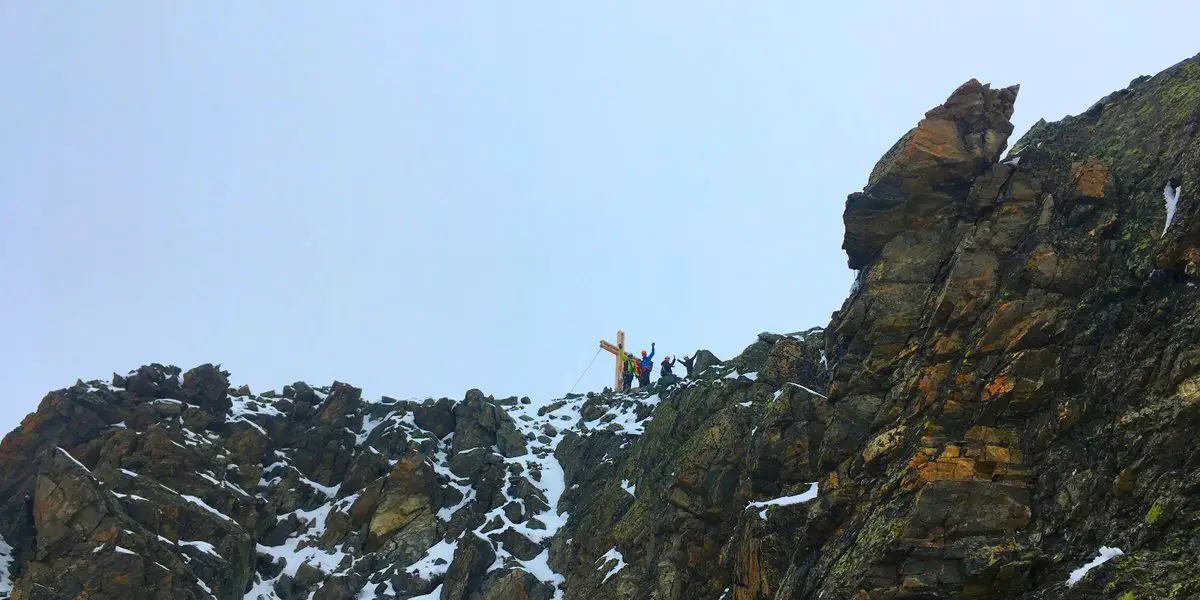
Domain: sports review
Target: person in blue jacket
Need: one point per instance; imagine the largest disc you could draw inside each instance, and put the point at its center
(645, 364)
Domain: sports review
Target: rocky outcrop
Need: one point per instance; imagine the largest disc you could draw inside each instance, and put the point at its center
(1011, 391)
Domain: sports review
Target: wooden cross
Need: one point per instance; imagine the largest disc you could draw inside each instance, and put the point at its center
(618, 351)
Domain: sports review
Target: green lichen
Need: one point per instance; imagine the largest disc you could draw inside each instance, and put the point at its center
(1154, 514)
(1182, 93)
(1127, 596)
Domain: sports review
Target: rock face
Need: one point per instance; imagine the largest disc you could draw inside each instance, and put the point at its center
(1012, 386)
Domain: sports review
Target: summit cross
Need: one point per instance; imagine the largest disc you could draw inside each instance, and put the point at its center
(617, 350)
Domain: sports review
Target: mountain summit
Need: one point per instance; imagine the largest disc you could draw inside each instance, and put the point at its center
(1006, 406)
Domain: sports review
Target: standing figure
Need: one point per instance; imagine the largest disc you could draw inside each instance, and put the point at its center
(629, 367)
(688, 363)
(645, 365)
(667, 365)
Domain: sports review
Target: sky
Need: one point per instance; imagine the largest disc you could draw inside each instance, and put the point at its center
(420, 198)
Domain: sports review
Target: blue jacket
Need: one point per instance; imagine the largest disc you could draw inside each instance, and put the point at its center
(647, 362)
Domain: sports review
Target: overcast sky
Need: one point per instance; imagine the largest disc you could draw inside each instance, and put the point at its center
(424, 197)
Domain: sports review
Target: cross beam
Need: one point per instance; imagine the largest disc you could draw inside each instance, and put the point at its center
(617, 350)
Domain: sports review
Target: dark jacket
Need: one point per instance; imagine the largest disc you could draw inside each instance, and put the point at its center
(687, 364)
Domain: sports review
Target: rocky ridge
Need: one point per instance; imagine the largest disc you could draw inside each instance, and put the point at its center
(1006, 406)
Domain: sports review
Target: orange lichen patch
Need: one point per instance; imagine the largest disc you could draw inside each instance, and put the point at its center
(751, 570)
(1191, 261)
(956, 469)
(832, 481)
(922, 457)
(1090, 177)
(987, 453)
(936, 138)
(982, 281)
(999, 386)
(930, 381)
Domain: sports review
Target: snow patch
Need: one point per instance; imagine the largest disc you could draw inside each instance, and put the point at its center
(610, 556)
(209, 478)
(6, 582)
(68, 455)
(205, 506)
(120, 550)
(130, 496)
(129, 473)
(252, 424)
(468, 492)
(434, 595)
(1106, 554)
(807, 495)
(810, 390)
(539, 566)
(245, 406)
(369, 425)
(623, 419)
(369, 593)
(204, 586)
(435, 562)
(330, 492)
(625, 485)
(1171, 196)
(202, 546)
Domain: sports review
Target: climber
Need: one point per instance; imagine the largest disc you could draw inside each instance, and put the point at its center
(629, 367)
(688, 362)
(667, 365)
(645, 365)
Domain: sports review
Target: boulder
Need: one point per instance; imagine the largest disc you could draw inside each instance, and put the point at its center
(704, 360)
(469, 567)
(207, 386)
(917, 178)
(437, 417)
(480, 423)
(403, 524)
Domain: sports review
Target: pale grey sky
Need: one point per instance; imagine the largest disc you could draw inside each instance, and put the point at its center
(420, 198)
